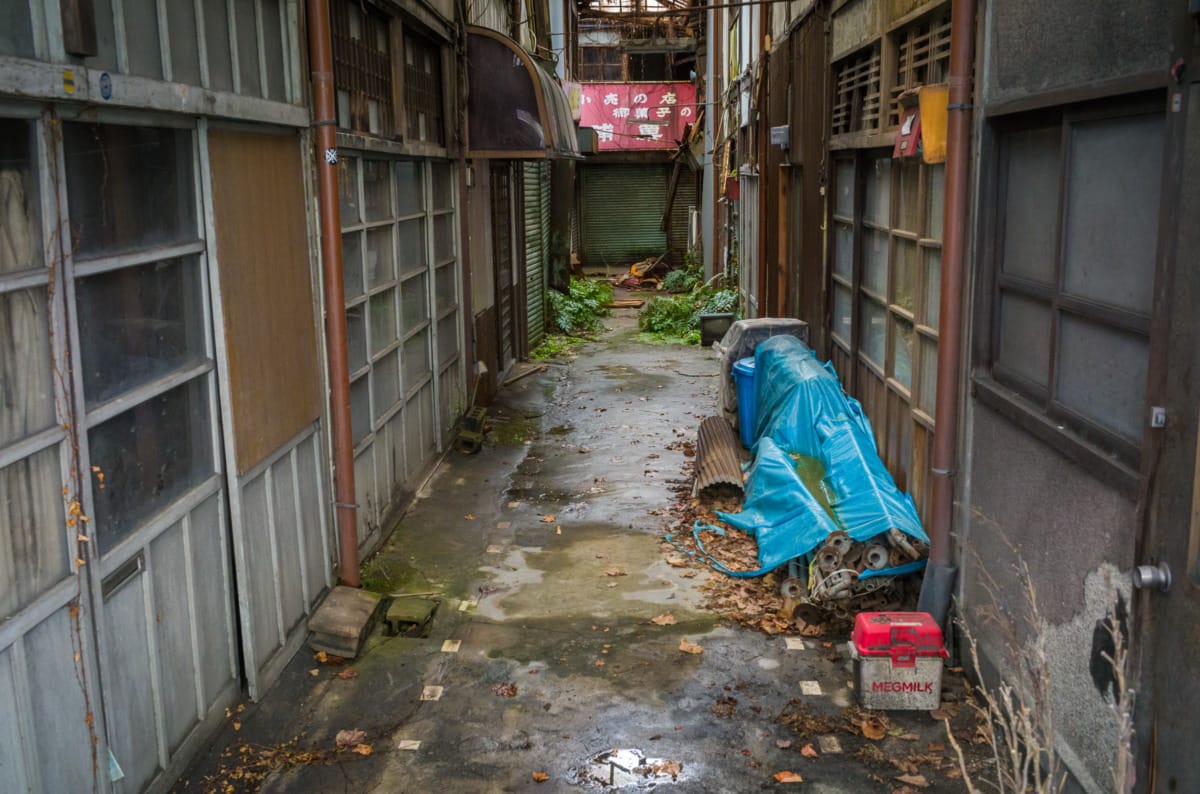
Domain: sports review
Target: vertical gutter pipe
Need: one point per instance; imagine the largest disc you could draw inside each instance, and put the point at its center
(320, 54)
(938, 585)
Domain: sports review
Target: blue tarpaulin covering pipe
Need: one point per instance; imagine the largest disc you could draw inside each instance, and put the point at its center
(802, 411)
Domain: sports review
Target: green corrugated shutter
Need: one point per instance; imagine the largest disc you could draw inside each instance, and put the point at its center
(537, 220)
(685, 198)
(621, 212)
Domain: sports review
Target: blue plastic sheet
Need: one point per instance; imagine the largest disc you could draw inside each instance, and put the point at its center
(803, 411)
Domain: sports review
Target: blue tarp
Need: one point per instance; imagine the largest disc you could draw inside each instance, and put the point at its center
(803, 411)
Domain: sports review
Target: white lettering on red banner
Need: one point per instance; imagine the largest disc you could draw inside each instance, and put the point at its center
(631, 116)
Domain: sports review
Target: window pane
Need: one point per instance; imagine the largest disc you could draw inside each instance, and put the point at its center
(878, 195)
(216, 37)
(415, 302)
(873, 330)
(875, 261)
(141, 31)
(26, 382)
(906, 275)
(149, 456)
(138, 324)
(33, 541)
(933, 286)
(380, 267)
(360, 408)
(927, 394)
(185, 48)
(1112, 212)
(443, 237)
(247, 47)
(1031, 206)
(383, 320)
(844, 200)
(843, 250)
(409, 190)
(20, 221)
(412, 246)
(416, 359)
(1025, 337)
(348, 190)
(447, 294)
(352, 264)
(841, 313)
(385, 383)
(447, 338)
(443, 186)
(908, 214)
(377, 190)
(902, 351)
(274, 50)
(356, 336)
(1102, 374)
(935, 200)
(16, 38)
(128, 187)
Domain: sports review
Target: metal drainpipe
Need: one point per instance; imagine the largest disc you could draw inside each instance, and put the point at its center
(464, 224)
(320, 53)
(937, 587)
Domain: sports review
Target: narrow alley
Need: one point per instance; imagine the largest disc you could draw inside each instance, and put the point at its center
(556, 646)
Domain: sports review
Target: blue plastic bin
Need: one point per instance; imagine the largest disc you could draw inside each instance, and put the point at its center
(744, 381)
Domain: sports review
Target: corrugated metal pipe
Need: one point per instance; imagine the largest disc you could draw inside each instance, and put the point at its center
(320, 56)
(938, 586)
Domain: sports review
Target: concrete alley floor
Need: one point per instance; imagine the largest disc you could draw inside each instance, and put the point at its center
(544, 657)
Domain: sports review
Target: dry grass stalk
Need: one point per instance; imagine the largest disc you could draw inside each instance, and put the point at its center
(1018, 711)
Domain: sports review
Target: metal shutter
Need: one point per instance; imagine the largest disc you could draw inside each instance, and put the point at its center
(621, 212)
(537, 220)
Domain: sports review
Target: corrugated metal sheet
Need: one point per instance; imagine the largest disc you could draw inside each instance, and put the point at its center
(621, 212)
(718, 456)
(537, 222)
(685, 198)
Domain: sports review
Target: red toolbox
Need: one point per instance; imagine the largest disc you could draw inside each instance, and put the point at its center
(898, 660)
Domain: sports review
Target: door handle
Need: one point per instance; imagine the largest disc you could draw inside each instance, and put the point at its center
(1152, 577)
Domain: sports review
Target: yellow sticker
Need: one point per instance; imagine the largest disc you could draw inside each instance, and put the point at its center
(69, 81)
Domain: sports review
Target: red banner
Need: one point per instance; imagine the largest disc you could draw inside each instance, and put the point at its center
(638, 115)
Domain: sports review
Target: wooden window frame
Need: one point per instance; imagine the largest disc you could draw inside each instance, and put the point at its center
(1111, 457)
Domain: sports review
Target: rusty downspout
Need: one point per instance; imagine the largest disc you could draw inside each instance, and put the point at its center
(320, 53)
(937, 587)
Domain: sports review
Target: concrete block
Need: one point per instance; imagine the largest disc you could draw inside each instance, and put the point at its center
(342, 621)
(409, 615)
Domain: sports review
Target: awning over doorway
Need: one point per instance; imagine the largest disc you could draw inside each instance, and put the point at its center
(515, 109)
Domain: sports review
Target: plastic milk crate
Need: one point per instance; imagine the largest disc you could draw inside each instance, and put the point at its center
(897, 660)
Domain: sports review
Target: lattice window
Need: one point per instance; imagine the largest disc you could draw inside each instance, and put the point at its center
(362, 69)
(600, 65)
(423, 90)
(856, 104)
(922, 58)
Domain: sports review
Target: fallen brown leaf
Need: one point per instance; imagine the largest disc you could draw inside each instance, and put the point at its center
(314, 672)
(788, 777)
(363, 749)
(347, 674)
(348, 738)
(783, 744)
(873, 728)
(505, 690)
(614, 571)
(321, 657)
(469, 516)
(237, 726)
(540, 777)
(914, 780)
(809, 752)
(548, 519)
(599, 662)
(665, 619)
(677, 562)
(689, 647)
